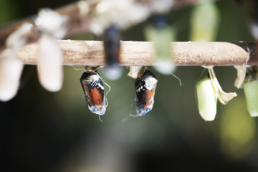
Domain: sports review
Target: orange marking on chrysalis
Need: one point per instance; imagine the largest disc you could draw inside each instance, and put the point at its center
(147, 98)
(96, 97)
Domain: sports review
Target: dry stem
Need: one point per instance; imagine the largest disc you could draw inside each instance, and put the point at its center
(91, 53)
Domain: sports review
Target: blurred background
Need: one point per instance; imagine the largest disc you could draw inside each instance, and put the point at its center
(44, 131)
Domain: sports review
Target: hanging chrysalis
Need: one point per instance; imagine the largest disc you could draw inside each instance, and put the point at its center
(208, 90)
(50, 25)
(10, 65)
(112, 48)
(10, 72)
(162, 34)
(251, 90)
(50, 60)
(207, 99)
(251, 77)
(145, 87)
(204, 22)
(93, 88)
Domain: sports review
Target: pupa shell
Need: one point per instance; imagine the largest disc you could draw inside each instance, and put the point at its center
(207, 99)
(112, 46)
(93, 88)
(161, 33)
(145, 87)
(251, 94)
(112, 38)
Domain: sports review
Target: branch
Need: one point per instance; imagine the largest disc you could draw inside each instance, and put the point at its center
(78, 19)
(91, 53)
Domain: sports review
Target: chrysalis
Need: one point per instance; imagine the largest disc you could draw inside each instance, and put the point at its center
(50, 60)
(251, 94)
(93, 88)
(205, 19)
(251, 90)
(10, 72)
(145, 87)
(208, 90)
(161, 33)
(207, 99)
(112, 49)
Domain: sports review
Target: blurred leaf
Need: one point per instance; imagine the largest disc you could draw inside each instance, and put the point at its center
(205, 18)
(237, 130)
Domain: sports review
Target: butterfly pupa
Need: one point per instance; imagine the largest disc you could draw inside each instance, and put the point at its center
(251, 94)
(145, 87)
(93, 88)
(207, 99)
(204, 19)
(251, 91)
(161, 33)
(112, 53)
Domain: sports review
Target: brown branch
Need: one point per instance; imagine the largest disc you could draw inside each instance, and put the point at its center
(77, 24)
(91, 53)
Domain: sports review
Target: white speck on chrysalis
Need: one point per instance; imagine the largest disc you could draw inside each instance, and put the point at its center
(10, 72)
(50, 59)
(207, 99)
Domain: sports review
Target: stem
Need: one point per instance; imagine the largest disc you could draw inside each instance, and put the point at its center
(91, 53)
